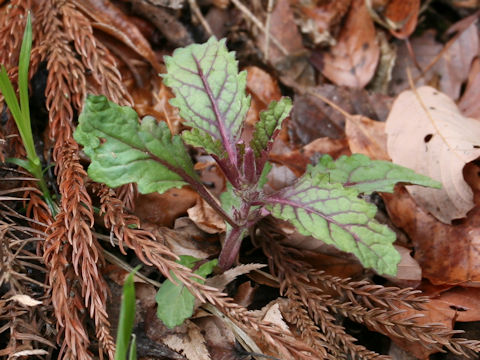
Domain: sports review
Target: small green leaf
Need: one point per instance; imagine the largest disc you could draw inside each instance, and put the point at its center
(335, 215)
(210, 92)
(124, 151)
(366, 176)
(175, 302)
(270, 122)
(126, 318)
(199, 138)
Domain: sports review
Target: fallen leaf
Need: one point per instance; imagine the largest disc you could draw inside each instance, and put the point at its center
(317, 18)
(469, 104)
(447, 254)
(353, 60)
(402, 17)
(263, 88)
(366, 136)
(220, 281)
(465, 301)
(427, 133)
(163, 209)
(409, 273)
(312, 118)
(245, 293)
(206, 218)
(191, 345)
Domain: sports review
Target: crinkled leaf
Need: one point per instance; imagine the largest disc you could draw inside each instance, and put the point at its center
(366, 175)
(175, 302)
(124, 151)
(335, 215)
(270, 122)
(210, 92)
(199, 138)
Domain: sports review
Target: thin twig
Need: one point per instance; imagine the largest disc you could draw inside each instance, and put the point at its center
(267, 27)
(259, 25)
(196, 10)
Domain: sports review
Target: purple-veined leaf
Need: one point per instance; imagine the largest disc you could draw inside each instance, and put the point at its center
(335, 215)
(210, 92)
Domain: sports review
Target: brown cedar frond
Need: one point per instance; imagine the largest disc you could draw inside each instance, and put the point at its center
(368, 294)
(12, 20)
(295, 313)
(152, 252)
(66, 86)
(94, 55)
(431, 336)
(373, 305)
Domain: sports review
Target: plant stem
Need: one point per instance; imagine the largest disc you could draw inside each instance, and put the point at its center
(231, 247)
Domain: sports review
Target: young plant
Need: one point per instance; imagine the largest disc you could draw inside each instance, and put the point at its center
(210, 94)
(21, 114)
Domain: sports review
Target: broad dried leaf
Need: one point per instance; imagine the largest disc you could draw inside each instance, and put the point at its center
(469, 104)
(353, 60)
(366, 136)
(448, 254)
(335, 215)
(123, 151)
(402, 16)
(465, 300)
(366, 176)
(206, 218)
(210, 92)
(191, 345)
(427, 133)
(220, 281)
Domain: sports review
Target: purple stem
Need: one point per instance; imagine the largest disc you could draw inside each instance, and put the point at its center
(231, 248)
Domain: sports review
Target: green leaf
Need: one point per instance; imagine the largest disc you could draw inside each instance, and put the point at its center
(23, 65)
(210, 92)
(126, 318)
(199, 138)
(269, 123)
(124, 151)
(366, 176)
(175, 302)
(335, 215)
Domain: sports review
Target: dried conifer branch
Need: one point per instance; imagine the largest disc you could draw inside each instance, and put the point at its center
(431, 336)
(377, 307)
(13, 20)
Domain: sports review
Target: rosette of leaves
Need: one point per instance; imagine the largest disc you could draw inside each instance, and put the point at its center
(210, 94)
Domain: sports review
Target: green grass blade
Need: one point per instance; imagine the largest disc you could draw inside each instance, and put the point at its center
(132, 355)
(23, 67)
(8, 92)
(127, 317)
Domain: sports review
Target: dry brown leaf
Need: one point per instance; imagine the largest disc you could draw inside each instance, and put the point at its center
(409, 273)
(427, 133)
(402, 17)
(447, 254)
(466, 302)
(366, 136)
(220, 281)
(163, 209)
(191, 345)
(353, 60)
(206, 218)
(469, 104)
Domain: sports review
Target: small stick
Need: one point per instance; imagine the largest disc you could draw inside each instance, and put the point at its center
(196, 10)
(267, 27)
(258, 24)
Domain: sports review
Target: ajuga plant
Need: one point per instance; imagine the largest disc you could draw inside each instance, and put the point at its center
(210, 94)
